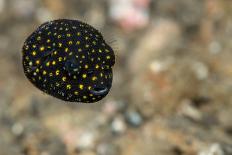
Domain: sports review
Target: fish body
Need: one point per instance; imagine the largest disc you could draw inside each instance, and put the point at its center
(70, 60)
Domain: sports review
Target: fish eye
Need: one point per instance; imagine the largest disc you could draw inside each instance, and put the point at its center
(71, 66)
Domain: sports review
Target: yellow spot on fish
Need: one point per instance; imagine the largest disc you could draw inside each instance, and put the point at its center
(84, 97)
(34, 53)
(86, 66)
(78, 33)
(79, 49)
(107, 57)
(94, 78)
(48, 41)
(64, 78)
(66, 49)
(57, 72)
(48, 63)
(89, 87)
(70, 42)
(53, 62)
(27, 47)
(78, 42)
(50, 74)
(68, 35)
(76, 93)
(60, 59)
(44, 72)
(84, 75)
(60, 44)
(100, 51)
(38, 38)
(37, 62)
(68, 86)
(97, 66)
(81, 86)
(42, 48)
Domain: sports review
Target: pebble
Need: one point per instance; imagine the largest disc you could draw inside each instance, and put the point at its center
(24, 8)
(86, 141)
(111, 107)
(87, 153)
(17, 129)
(2, 5)
(133, 118)
(215, 47)
(214, 149)
(130, 14)
(107, 149)
(188, 110)
(118, 125)
(201, 70)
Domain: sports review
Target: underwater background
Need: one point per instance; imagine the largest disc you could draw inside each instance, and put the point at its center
(172, 82)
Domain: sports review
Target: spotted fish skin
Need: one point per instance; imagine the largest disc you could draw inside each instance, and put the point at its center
(69, 60)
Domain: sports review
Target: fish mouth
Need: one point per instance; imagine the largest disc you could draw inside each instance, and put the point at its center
(99, 91)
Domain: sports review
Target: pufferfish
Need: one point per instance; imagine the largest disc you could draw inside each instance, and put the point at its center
(69, 60)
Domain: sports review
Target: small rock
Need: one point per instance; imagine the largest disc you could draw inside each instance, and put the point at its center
(130, 14)
(107, 149)
(17, 129)
(86, 141)
(133, 118)
(201, 70)
(118, 125)
(214, 149)
(111, 107)
(24, 8)
(2, 5)
(188, 110)
(87, 153)
(215, 47)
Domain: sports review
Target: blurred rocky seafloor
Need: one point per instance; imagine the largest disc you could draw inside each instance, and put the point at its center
(172, 86)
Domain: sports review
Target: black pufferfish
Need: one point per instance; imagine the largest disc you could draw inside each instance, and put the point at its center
(70, 60)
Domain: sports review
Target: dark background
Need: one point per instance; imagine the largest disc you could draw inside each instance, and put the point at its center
(172, 86)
